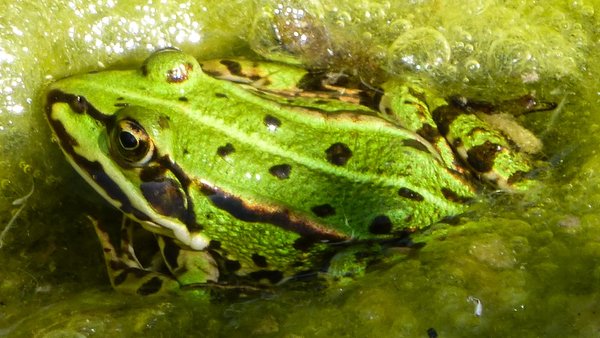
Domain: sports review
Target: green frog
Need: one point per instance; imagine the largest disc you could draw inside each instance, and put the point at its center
(253, 173)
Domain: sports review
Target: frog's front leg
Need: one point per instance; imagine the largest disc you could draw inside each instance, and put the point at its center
(188, 267)
(125, 272)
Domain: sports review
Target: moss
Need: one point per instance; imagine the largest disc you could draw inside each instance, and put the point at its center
(530, 259)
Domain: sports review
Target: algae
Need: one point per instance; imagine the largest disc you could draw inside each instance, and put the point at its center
(531, 259)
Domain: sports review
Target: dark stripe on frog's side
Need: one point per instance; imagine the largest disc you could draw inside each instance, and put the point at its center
(517, 177)
(420, 96)
(150, 287)
(371, 98)
(282, 218)
(291, 99)
(233, 67)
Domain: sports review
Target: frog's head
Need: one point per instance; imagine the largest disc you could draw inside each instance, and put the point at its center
(115, 129)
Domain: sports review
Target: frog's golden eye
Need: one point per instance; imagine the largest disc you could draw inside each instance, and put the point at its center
(130, 144)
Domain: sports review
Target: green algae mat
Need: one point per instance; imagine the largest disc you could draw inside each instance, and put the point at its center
(521, 265)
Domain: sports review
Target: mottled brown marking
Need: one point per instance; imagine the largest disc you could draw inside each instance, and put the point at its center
(430, 133)
(166, 197)
(481, 158)
(415, 144)
(225, 150)
(150, 287)
(233, 67)
(272, 122)
(453, 196)
(259, 260)
(281, 171)
(171, 253)
(381, 225)
(410, 194)
(152, 173)
(232, 266)
(517, 177)
(273, 276)
(444, 116)
(323, 210)
(312, 81)
(338, 154)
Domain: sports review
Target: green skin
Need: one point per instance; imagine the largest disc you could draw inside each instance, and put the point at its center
(261, 171)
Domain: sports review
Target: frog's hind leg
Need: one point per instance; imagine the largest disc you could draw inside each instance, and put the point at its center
(489, 141)
(125, 272)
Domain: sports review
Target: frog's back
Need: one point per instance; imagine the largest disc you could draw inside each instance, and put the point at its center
(334, 163)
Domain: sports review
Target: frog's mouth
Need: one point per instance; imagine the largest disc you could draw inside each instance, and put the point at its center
(164, 201)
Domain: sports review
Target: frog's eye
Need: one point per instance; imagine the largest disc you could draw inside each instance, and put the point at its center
(131, 144)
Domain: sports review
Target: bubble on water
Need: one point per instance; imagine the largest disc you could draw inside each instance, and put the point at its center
(587, 10)
(290, 31)
(513, 56)
(341, 19)
(401, 26)
(419, 49)
(472, 65)
(469, 48)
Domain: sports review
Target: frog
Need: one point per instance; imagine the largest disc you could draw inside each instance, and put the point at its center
(248, 172)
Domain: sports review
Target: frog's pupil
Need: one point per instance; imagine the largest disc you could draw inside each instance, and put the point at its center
(128, 140)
